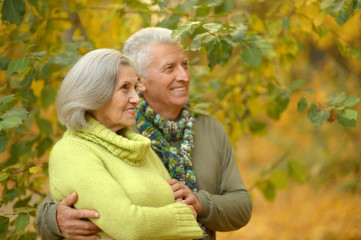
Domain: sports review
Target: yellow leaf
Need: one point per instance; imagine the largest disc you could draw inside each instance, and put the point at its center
(319, 19)
(34, 169)
(37, 87)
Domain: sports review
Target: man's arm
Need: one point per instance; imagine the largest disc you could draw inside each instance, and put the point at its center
(57, 220)
(226, 203)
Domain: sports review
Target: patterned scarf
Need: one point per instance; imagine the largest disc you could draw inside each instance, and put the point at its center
(161, 132)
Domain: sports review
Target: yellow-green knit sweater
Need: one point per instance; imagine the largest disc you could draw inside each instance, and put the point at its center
(123, 179)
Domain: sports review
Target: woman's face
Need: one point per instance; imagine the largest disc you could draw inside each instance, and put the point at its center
(119, 112)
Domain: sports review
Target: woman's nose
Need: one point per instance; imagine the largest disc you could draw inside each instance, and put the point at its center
(134, 98)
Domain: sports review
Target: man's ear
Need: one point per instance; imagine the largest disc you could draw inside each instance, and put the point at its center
(141, 87)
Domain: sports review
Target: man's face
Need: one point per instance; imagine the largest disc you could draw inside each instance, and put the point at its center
(166, 86)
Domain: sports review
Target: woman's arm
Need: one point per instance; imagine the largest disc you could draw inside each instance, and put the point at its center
(73, 168)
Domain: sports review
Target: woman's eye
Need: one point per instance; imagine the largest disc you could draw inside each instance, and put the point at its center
(124, 86)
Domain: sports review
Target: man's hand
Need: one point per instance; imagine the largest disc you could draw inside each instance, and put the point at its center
(193, 211)
(183, 194)
(72, 222)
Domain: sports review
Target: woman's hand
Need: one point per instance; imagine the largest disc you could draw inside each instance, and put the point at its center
(183, 194)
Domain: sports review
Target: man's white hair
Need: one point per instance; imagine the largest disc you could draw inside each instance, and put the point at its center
(138, 47)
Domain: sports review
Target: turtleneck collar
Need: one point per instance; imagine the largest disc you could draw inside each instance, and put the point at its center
(130, 147)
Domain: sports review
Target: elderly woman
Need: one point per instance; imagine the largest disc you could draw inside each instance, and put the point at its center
(112, 168)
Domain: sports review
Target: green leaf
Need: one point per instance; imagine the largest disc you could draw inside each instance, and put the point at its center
(355, 53)
(214, 51)
(3, 142)
(19, 66)
(48, 95)
(19, 149)
(11, 194)
(25, 209)
(265, 47)
(268, 190)
(183, 30)
(316, 116)
(349, 114)
(170, 22)
(4, 62)
(336, 98)
(44, 145)
(279, 179)
(345, 121)
(213, 27)
(302, 104)
(202, 11)
(321, 31)
(185, 7)
(10, 122)
(197, 42)
(226, 6)
(16, 112)
(351, 101)
(226, 52)
(257, 127)
(65, 59)
(13, 11)
(238, 19)
(326, 4)
(45, 126)
(297, 171)
(211, 2)
(251, 55)
(4, 224)
(39, 55)
(240, 34)
(7, 99)
(308, 91)
(342, 17)
(297, 84)
(28, 79)
(21, 222)
(4, 176)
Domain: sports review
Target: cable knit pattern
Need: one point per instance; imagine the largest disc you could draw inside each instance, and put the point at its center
(122, 178)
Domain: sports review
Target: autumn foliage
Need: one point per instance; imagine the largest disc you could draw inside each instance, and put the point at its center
(282, 76)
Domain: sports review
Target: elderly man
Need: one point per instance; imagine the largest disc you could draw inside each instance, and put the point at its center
(193, 147)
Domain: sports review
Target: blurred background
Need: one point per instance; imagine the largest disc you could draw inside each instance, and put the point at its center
(284, 77)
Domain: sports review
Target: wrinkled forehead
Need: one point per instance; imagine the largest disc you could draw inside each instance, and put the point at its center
(164, 53)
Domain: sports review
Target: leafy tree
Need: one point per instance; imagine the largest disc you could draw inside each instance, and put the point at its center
(252, 50)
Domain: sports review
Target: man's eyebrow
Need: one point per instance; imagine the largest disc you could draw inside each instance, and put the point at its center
(167, 63)
(172, 62)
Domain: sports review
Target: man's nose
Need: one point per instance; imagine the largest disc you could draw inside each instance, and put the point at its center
(183, 74)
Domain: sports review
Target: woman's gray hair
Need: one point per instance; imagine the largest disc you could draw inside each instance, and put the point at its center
(89, 85)
(138, 47)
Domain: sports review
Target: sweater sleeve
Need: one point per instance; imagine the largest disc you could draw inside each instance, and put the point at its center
(45, 223)
(230, 206)
(73, 168)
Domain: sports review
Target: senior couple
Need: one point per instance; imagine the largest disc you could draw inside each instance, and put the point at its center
(173, 175)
